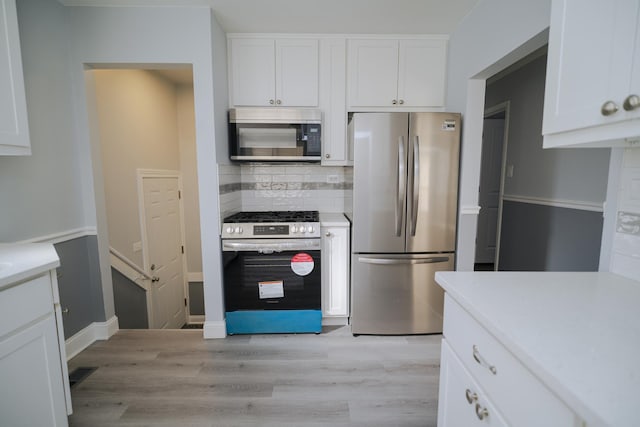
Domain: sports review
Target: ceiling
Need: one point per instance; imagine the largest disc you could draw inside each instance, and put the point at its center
(321, 16)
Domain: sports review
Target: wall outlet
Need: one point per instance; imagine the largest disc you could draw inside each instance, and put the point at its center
(137, 246)
(333, 179)
(509, 171)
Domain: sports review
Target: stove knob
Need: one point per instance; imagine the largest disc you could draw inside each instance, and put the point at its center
(230, 230)
(294, 229)
(310, 229)
(238, 230)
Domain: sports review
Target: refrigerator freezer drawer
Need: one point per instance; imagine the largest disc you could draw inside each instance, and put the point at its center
(397, 294)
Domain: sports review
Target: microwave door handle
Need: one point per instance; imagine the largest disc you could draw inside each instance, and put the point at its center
(401, 187)
(415, 185)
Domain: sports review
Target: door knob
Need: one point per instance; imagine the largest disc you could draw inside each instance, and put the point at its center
(609, 108)
(155, 279)
(631, 103)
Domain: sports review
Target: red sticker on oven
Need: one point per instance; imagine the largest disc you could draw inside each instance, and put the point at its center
(302, 264)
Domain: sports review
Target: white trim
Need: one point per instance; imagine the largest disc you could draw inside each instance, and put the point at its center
(63, 236)
(195, 277)
(196, 318)
(214, 329)
(469, 210)
(335, 321)
(96, 331)
(558, 203)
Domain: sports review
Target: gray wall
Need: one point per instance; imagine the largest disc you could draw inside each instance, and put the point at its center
(196, 299)
(79, 284)
(130, 302)
(536, 237)
(546, 238)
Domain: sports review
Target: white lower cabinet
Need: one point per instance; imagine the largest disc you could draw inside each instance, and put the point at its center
(473, 359)
(335, 271)
(461, 401)
(33, 373)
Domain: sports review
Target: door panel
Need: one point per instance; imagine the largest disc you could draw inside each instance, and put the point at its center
(164, 237)
(390, 295)
(378, 206)
(433, 203)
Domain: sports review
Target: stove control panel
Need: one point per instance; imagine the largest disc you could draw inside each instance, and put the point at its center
(262, 230)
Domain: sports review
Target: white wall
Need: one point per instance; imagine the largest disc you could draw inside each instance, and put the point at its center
(495, 34)
(138, 129)
(150, 35)
(41, 193)
(189, 172)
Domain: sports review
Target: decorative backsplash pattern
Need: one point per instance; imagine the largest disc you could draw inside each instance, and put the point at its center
(265, 187)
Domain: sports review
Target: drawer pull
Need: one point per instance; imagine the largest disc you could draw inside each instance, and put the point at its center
(471, 396)
(481, 412)
(481, 361)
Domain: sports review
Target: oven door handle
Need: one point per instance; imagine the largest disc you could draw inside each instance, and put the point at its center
(270, 247)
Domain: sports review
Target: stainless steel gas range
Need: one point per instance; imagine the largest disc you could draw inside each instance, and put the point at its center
(272, 274)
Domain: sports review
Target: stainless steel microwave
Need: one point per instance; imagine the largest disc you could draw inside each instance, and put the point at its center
(275, 134)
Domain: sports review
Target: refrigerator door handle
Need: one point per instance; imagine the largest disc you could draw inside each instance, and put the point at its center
(401, 185)
(415, 185)
(403, 261)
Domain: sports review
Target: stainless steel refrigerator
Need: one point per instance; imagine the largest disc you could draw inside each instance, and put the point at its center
(405, 201)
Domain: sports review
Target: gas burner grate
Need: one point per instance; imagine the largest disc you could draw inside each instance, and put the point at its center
(274, 216)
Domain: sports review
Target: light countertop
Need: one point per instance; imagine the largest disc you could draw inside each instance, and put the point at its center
(579, 333)
(19, 261)
(333, 220)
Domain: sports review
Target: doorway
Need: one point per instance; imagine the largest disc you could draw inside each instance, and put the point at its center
(144, 121)
(491, 189)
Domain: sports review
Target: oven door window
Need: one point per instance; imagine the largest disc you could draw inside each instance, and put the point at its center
(246, 272)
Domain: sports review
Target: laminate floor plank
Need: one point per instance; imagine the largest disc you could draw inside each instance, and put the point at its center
(176, 378)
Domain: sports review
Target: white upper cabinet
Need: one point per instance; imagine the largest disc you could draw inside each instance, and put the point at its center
(14, 129)
(397, 73)
(273, 72)
(592, 93)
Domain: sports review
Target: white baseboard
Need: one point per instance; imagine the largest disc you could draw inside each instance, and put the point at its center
(97, 331)
(195, 277)
(214, 329)
(196, 318)
(335, 321)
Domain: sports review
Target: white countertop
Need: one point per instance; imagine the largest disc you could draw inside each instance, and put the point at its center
(19, 261)
(333, 220)
(579, 333)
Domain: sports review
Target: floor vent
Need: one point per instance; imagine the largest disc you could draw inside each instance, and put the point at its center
(79, 374)
(192, 326)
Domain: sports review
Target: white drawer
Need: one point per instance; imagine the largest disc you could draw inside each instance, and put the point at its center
(517, 393)
(462, 402)
(24, 303)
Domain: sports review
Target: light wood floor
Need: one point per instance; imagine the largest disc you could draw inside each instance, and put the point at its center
(176, 378)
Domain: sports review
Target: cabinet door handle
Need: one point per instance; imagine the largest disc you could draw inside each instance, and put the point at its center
(271, 101)
(394, 102)
(401, 101)
(482, 362)
(481, 412)
(631, 103)
(609, 108)
(471, 396)
(278, 102)
(328, 156)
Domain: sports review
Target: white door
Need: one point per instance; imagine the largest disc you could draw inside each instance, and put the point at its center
(164, 247)
(489, 198)
(373, 73)
(252, 68)
(421, 73)
(297, 72)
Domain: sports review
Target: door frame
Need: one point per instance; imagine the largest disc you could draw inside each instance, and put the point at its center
(488, 112)
(142, 174)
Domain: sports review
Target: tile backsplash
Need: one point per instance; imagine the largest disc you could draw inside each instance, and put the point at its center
(625, 259)
(265, 187)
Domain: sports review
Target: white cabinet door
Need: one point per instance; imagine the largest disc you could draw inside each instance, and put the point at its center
(461, 402)
(31, 377)
(252, 71)
(335, 271)
(421, 73)
(14, 129)
(373, 73)
(592, 52)
(333, 81)
(269, 72)
(297, 72)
